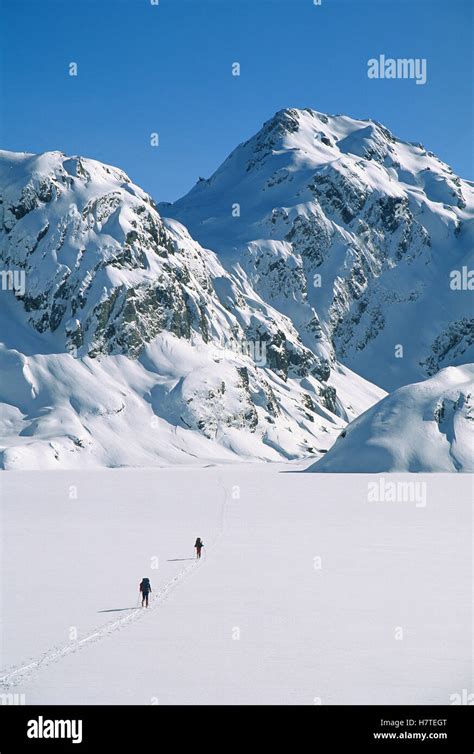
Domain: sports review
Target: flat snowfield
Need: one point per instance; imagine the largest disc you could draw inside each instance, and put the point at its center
(312, 588)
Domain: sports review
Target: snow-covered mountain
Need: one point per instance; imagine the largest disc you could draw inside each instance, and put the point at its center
(427, 426)
(323, 258)
(353, 234)
(127, 343)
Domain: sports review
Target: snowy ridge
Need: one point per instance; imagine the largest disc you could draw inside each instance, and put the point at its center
(425, 427)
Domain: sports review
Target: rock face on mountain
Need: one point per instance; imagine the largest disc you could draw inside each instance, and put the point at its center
(354, 235)
(102, 269)
(130, 344)
(106, 274)
(427, 426)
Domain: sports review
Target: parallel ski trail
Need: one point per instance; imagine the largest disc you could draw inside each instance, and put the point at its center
(17, 674)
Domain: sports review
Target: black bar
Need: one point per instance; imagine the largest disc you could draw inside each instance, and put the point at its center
(445, 728)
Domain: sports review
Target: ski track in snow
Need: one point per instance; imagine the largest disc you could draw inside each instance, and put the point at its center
(24, 671)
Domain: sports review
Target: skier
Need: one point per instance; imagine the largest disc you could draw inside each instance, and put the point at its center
(198, 545)
(145, 589)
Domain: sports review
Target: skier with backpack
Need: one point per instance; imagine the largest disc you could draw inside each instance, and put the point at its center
(198, 545)
(145, 589)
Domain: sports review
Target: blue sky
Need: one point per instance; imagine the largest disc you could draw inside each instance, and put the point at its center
(167, 69)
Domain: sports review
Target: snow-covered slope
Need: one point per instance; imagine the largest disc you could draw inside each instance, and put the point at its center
(351, 233)
(427, 426)
(132, 345)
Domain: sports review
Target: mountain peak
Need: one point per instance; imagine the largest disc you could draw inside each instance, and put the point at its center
(286, 123)
(343, 202)
(286, 120)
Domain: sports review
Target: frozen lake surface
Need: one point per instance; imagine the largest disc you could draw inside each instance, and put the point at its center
(308, 591)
